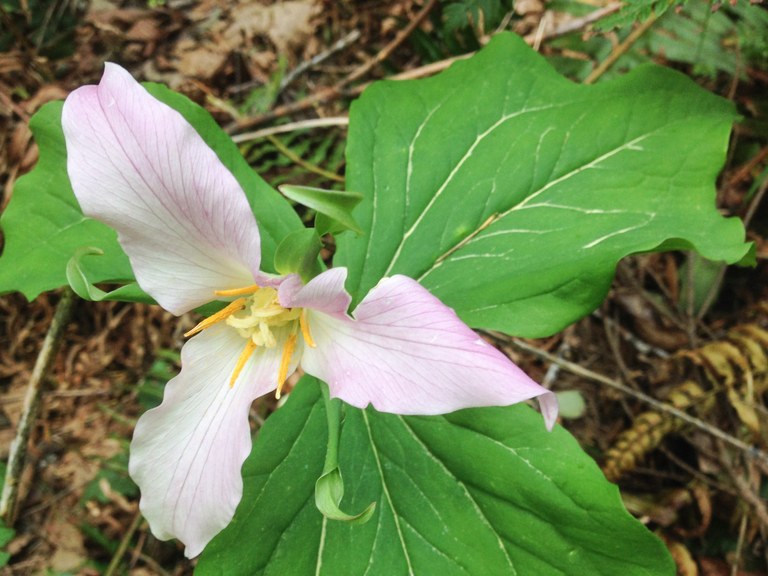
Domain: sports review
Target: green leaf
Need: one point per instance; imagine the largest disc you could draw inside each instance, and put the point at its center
(77, 276)
(298, 252)
(6, 535)
(335, 205)
(482, 492)
(44, 227)
(511, 193)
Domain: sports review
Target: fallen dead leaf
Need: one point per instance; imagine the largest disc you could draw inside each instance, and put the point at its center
(202, 62)
(69, 553)
(286, 24)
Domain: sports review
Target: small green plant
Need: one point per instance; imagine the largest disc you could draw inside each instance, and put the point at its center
(497, 195)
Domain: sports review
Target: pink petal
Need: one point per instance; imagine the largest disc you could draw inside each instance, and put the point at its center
(139, 167)
(549, 409)
(187, 453)
(324, 293)
(406, 352)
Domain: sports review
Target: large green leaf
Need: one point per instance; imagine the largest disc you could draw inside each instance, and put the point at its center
(44, 227)
(486, 492)
(511, 193)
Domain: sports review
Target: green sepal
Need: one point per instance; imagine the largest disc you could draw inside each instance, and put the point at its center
(298, 253)
(329, 490)
(333, 207)
(78, 280)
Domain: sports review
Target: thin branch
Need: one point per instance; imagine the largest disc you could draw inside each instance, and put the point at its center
(292, 127)
(338, 89)
(114, 564)
(750, 450)
(18, 450)
(319, 58)
(577, 23)
(756, 200)
(747, 493)
(621, 49)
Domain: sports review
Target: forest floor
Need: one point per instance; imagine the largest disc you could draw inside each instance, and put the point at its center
(255, 66)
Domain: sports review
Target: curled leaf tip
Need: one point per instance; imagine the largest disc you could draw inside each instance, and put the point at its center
(329, 490)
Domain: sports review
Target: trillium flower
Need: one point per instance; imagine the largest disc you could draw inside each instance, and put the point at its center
(191, 237)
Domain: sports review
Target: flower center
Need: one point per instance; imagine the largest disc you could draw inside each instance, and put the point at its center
(259, 318)
(261, 315)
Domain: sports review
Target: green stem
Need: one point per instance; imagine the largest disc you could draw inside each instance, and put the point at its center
(329, 488)
(333, 413)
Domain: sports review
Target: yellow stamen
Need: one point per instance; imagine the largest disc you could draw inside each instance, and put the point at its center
(244, 355)
(222, 314)
(304, 323)
(238, 291)
(290, 346)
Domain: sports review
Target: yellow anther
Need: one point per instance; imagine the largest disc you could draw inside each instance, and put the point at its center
(244, 355)
(290, 346)
(222, 314)
(304, 323)
(238, 291)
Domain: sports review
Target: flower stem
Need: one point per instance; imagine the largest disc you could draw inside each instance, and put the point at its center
(329, 488)
(333, 413)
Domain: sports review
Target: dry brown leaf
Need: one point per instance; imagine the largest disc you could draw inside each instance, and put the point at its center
(69, 551)
(686, 566)
(286, 24)
(202, 62)
(20, 139)
(47, 93)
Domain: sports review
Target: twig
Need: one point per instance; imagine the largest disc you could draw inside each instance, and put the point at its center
(739, 544)
(319, 58)
(385, 53)
(554, 369)
(749, 450)
(714, 289)
(338, 89)
(755, 202)
(745, 172)
(152, 563)
(746, 492)
(114, 564)
(638, 344)
(18, 450)
(621, 49)
(292, 127)
(427, 70)
(577, 23)
(538, 36)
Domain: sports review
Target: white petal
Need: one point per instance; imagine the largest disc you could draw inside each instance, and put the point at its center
(406, 352)
(186, 454)
(138, 166)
